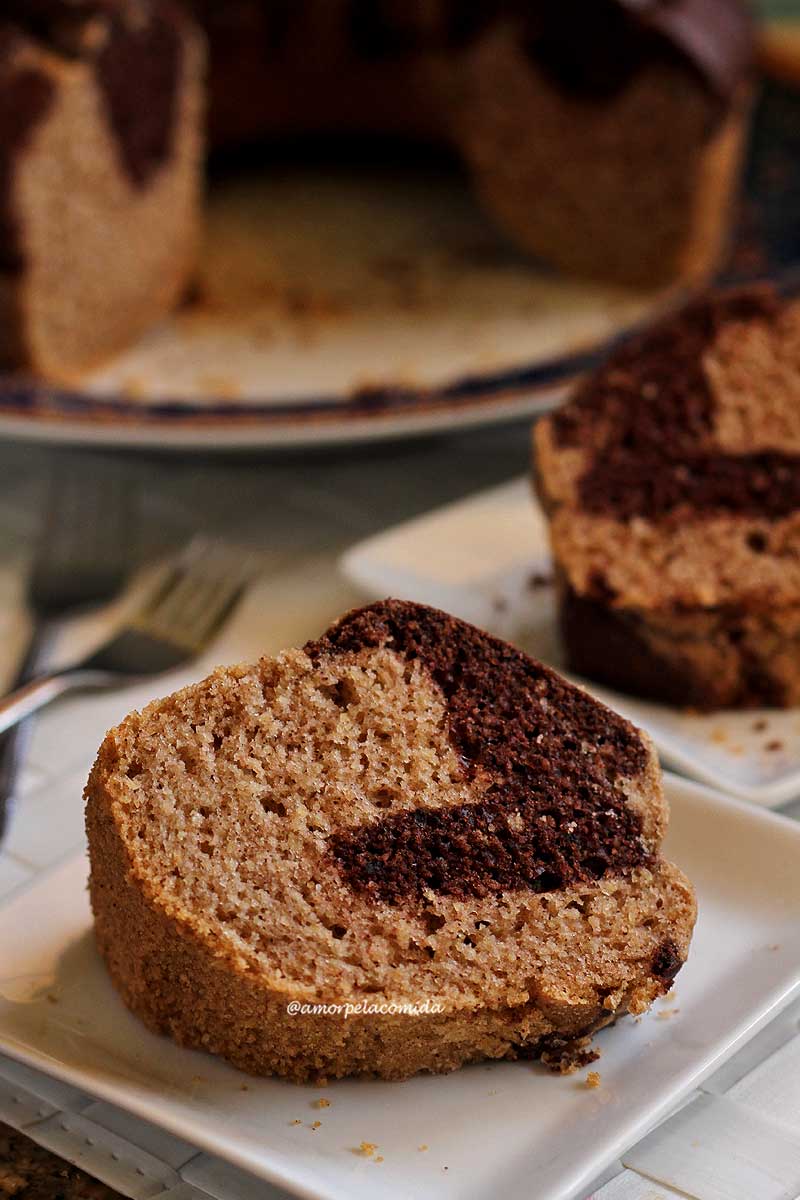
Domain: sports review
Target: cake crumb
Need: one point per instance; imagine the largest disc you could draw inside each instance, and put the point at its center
(564, 1057)
(666, 1013)
(321, 1103)
(760, 725)
(316, 1124)
(422, 1147)
(295, 1122)
(593, 1079)
(243, 1087)
(539, 579)
(367, 1149)
(52, 998)
(774, 745)
(379, 1158)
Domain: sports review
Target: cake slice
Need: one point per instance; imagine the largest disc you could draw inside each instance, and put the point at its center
(672, 483)
(407, 817)
(101, 110)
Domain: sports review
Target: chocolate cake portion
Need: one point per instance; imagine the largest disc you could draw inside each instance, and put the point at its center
(501, 703)
(25, 96)
(597, 49)
(592, 49)
(139, 72)
(136, 47)
(549, 817)
(672, 480)
(405, 812)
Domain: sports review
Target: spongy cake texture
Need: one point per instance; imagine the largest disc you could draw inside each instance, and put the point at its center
(672, 483)
(405, 812)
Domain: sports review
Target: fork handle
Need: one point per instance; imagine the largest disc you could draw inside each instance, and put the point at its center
(43, 690)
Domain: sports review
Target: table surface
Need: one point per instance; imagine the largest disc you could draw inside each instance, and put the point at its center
(299, 513)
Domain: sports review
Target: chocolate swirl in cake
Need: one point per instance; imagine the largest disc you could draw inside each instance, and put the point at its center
(550, 762)
(25, 96)
(138, 70)
(654, 408)
(135, 47)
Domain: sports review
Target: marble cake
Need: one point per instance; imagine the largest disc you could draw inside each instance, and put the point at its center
(407, 812)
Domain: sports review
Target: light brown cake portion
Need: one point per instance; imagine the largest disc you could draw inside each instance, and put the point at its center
(672, 481)
(405, 812)
(100, 174)
(635, 187)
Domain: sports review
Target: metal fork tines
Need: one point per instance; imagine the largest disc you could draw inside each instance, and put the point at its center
(174, 626)
(183, 615)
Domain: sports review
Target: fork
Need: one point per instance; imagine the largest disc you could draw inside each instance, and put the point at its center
(172, 627)
(81, 560)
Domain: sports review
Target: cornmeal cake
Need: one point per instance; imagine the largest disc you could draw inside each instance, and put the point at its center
(407, 816)
(672, 482)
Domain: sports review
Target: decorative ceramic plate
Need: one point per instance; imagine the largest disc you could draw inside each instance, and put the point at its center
(506, 1129)
(338, 304)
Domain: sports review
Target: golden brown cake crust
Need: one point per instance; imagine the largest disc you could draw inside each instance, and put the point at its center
(215, 824)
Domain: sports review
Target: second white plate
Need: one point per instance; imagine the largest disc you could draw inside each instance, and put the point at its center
(487, 559)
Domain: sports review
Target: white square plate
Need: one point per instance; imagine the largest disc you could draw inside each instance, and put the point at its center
(508, 1129)
(487, 559)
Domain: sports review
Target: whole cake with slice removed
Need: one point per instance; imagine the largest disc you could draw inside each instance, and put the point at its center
(407, 817)
(672, 484)
(605, 138)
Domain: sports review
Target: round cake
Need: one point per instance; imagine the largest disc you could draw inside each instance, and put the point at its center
(604, 138)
